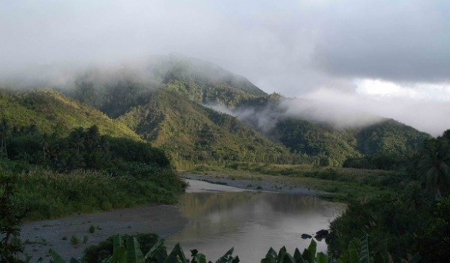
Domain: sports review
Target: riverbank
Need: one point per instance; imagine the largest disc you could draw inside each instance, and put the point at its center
(70, 235)
(251, 182)
(332, 183)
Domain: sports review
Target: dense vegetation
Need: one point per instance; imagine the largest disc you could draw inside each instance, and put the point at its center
(166, 99)
(50, 112)
(83, 172)
(62, 156)
(416, 219)
(191, 133)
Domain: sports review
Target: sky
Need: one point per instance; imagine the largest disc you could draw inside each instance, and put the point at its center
(389, 58)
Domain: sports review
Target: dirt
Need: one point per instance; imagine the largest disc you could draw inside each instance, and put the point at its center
(70, 235)
(279, 184)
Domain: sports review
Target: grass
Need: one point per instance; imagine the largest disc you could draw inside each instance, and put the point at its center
(341, 184)
(49, 194)
(74, 240)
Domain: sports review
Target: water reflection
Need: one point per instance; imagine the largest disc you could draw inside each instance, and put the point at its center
(251, 222)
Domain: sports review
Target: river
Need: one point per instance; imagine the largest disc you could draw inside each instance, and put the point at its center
(210, 217)
(223, 217)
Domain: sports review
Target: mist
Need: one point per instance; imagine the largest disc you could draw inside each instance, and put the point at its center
(304, 49)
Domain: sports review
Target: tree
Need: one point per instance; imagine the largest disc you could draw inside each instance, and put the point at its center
(4, 132)
(432, 166)
(10, 218)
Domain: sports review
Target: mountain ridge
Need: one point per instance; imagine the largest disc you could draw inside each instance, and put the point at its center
(168, 103)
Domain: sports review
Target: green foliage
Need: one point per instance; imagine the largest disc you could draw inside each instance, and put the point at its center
(190, 133)
(114, 249)
(150, 245)
(86, 171)
(11, 215)
(432, 165)
(50, 112)
(385, 143)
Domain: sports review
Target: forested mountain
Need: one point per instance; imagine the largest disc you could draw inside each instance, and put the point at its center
(168, 100)
(191, 133)
(387, 137)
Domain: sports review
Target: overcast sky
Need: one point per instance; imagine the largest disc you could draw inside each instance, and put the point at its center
(390, 58)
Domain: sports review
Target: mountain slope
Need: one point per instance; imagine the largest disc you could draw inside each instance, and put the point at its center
(191, 133)
(50, 111)
(163, 101)
(385, 137)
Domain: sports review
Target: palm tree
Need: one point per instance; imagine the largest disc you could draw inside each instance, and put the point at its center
(438, 177)
(433, 169)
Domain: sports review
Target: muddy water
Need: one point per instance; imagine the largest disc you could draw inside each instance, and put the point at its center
(251, 222)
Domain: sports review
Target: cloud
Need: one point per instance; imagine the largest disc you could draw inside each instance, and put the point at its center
(402, 41)
(425, 115)
(288, 46)
(296, 48)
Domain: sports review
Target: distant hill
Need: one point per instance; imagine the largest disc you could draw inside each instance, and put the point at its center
(167, 101)
(50, 111)
(385, 137)
(191, 133)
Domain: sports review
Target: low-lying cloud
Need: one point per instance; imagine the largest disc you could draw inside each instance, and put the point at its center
(343, 110)
(296, 48)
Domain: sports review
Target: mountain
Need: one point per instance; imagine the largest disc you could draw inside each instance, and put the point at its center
(386, 137)
(191, 133)
(169, 101)
(50, 111)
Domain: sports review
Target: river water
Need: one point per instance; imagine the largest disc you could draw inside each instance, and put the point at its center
(223, 217)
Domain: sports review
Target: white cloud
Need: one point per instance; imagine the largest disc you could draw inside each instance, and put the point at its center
(399, 51)
(425, 115)
(415, 91)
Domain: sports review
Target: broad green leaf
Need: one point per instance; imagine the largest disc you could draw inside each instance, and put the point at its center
(306, 255)
(321, 258)
(353, 253)
(227, 257)
(172, 259)
(56, 258)
(288, 258)
(364, 256)
(312, 250)
(199, 258)
(271, 256)
(134, 253)
(177, 255)
(281, 255)
(151, 254)
(179, 252)
(117, 241)
(119, 255)
(298, 256)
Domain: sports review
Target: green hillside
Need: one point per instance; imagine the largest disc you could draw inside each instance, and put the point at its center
(386, 137)
(50, 111)
(202, 74)
(163, 102)
(191, 133)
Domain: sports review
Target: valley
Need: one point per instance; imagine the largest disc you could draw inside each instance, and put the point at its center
(114, 139)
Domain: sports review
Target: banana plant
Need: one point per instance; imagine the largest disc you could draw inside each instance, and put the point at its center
(309, 255)
(130, 252)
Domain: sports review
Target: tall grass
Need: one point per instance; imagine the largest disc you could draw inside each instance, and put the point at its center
(49, 194)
